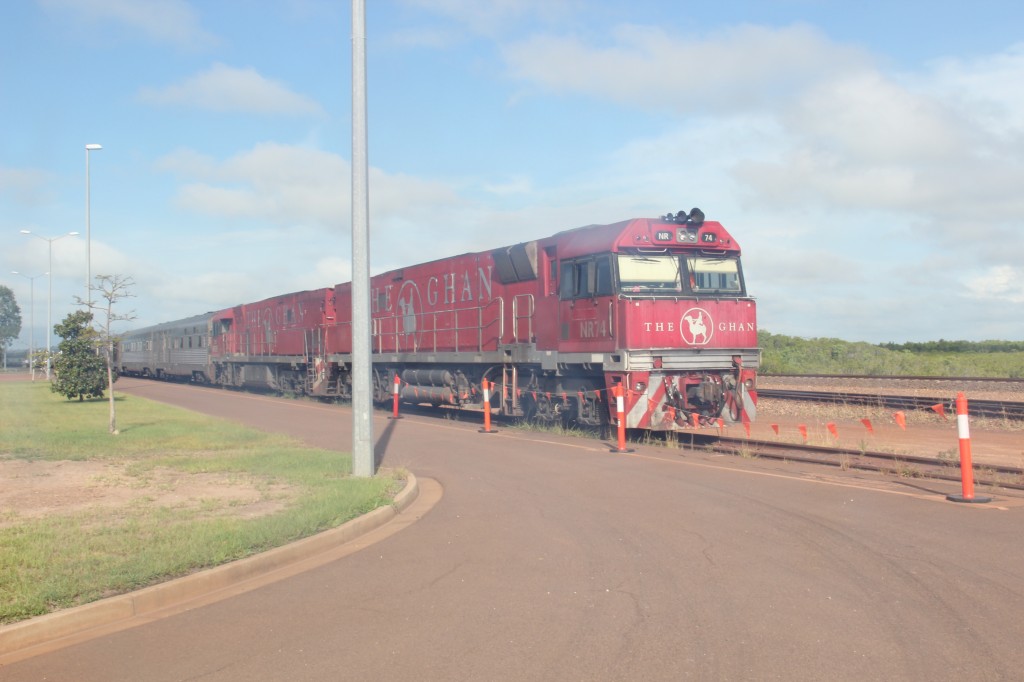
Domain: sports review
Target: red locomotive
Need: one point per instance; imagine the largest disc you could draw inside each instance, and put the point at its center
(658, 306)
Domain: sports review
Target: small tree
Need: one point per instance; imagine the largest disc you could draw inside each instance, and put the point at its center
(10, 320)
(78, 370)
(111, 288)
(38, 361)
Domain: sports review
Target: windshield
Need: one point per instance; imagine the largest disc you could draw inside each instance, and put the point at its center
(714, 275)
(675, 275)
(642, 274)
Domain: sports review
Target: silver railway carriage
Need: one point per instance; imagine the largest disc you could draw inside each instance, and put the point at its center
(172, 350)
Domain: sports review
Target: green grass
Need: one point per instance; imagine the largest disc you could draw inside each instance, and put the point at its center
(71, 558)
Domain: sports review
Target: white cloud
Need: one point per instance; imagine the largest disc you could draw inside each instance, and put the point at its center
(869, 142)
(987, 87)
(225, 88)
(434, 38)
(294, 185)
(271, 182)
(494, 17)
(646, 67)
(196, 292)
(867, 118)
(329, 269)
(519, 184)
(1000, 283)
(26, 186)
(65, 253)
(794, 118)
(166, 21)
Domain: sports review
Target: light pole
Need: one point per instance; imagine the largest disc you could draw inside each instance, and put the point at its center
(49, 300)
(88, 227)
(32, 318)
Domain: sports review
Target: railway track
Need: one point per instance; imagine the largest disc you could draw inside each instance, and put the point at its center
(896, 377)
(902, 465)
(999, 409)
(909, 466)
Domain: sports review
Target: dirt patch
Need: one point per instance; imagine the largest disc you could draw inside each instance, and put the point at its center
(34, 489)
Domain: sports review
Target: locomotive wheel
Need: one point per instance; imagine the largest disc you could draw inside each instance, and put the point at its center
(538, 408)
(382, 388)
(548, 410)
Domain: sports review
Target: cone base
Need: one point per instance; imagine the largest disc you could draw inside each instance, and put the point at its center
(969, 500)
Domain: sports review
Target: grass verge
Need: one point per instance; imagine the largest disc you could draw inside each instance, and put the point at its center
(71, 557)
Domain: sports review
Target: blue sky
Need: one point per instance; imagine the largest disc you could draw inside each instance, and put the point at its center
(867, 156)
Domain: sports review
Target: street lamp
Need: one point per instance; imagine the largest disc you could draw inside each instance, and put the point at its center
(32, 318)
(88, 227)
(49, 301)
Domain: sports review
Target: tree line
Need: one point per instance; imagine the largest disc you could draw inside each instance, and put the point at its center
(782, 354)
(943, 346)
(10, 320)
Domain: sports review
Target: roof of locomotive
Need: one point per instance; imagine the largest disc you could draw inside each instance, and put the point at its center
(640, 233)
(637, 233)
(281, 299)
(273, 300)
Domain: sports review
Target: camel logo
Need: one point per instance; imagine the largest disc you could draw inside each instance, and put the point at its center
(409, 304)
(696, 327)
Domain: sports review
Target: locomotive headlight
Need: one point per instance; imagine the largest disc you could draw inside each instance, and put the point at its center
(641, 387)
(749, 383)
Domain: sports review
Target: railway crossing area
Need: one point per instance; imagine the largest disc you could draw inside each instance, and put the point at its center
(550, 557)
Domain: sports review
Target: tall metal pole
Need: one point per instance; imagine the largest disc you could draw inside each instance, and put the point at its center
(32, 319)
(49, 308)
(88, 226)
(32, 326)
(49, 299)
(362, 374)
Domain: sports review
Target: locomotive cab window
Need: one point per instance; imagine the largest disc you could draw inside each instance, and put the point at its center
(714, 275)
(567, 286)
(586, 278)
(605, 283)
(552, 273)
(647, 274)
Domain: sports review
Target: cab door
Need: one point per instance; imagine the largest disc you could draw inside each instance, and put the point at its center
(586, 315)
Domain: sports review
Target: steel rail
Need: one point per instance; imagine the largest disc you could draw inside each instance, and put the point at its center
(895, 377)
(979, 408)
(913, 466)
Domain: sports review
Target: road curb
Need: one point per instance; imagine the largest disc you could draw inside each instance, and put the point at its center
(53, 626)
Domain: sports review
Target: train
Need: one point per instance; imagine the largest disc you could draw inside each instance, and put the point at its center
(654, 308)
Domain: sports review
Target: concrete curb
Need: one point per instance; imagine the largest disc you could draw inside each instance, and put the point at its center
(52, 626)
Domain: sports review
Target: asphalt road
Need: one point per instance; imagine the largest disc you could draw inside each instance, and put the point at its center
(551, 558)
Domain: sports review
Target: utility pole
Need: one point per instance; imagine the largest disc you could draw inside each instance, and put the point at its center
(362, 363)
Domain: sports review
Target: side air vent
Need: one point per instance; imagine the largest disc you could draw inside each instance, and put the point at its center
(516, 263)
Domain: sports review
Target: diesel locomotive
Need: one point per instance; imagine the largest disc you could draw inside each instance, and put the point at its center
(655, 306)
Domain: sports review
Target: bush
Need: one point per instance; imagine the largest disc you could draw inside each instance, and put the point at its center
(79, 371)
